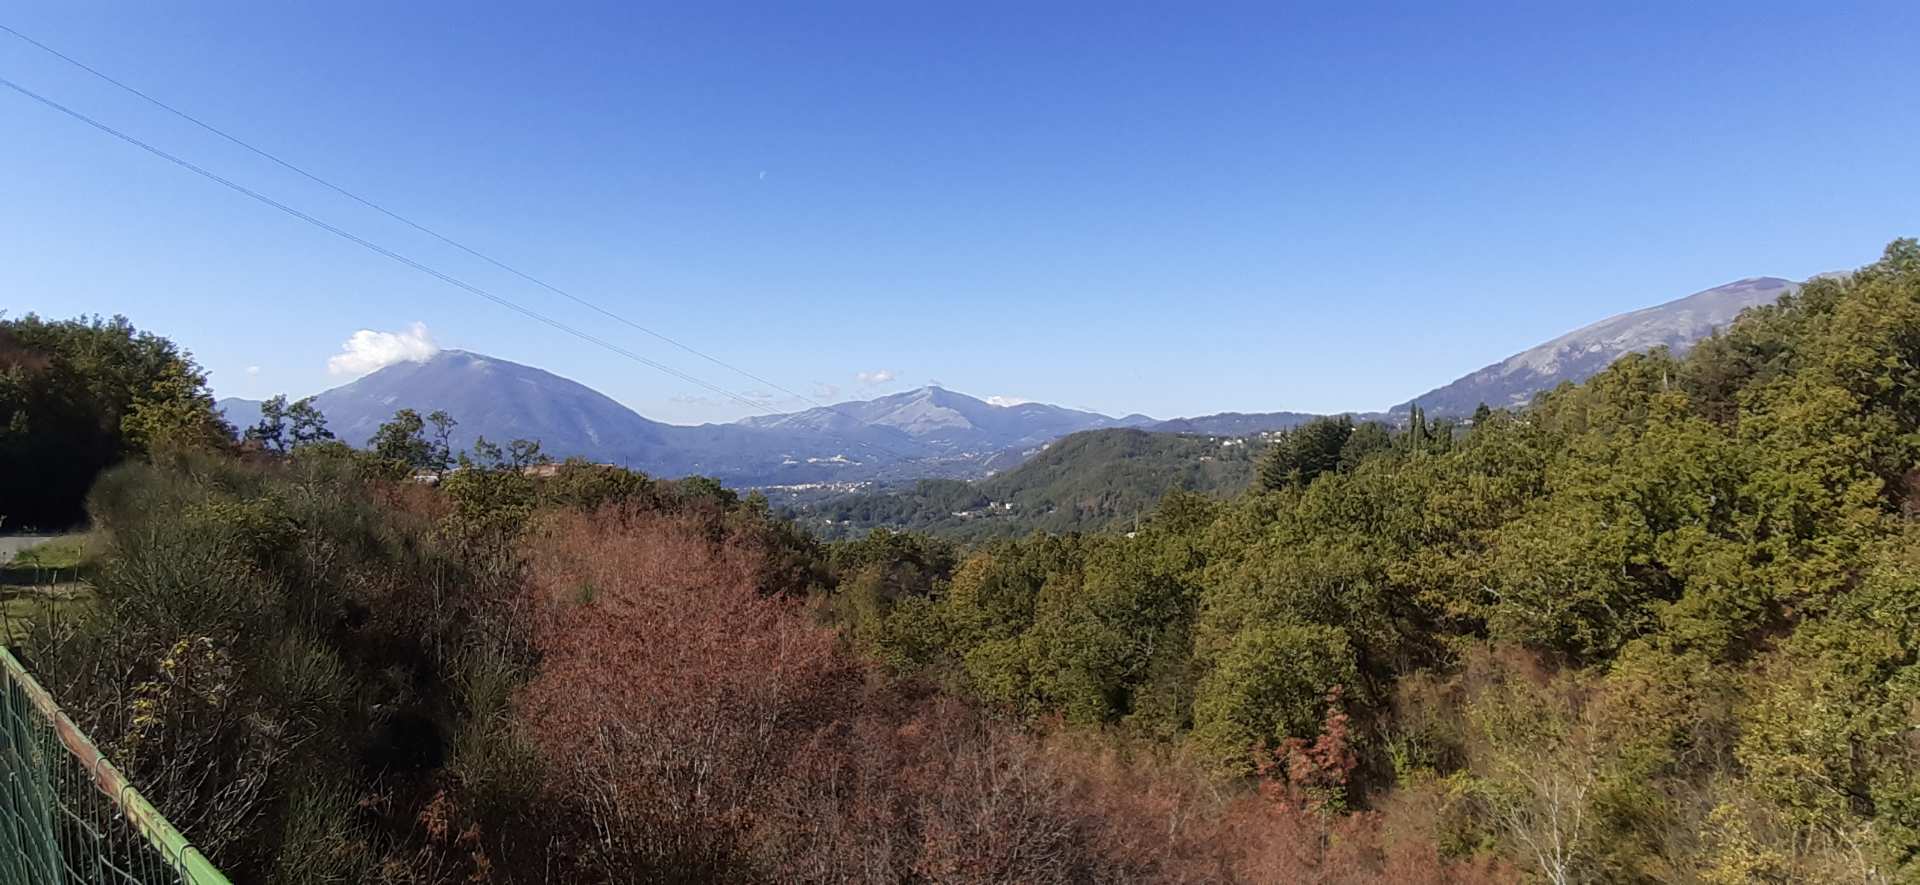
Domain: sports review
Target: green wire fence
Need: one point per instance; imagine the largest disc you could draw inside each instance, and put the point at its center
(66, 814)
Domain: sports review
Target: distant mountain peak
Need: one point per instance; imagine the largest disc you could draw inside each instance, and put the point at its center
(944, 419)
(926, 431)
(1581, 353)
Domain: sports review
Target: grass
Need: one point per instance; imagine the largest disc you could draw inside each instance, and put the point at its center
(69, 552)
(21, 607)
(44, 581)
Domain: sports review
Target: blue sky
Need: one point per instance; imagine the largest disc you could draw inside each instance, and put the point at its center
(1167, 208)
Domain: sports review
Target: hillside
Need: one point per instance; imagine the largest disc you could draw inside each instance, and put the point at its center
(945, 420)
(1233, 423)
(1579, 354)
(1084, 482)
(1666, 618)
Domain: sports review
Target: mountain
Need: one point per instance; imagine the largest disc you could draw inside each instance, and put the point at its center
(490, 397)
(1085, 482)
(933, 432)
(1233, 423)
(1582, 352)
(929, 432)
(945, 421)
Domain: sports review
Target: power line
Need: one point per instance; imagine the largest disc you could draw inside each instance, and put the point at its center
(361, 241)
(403, 259)
(405, 220)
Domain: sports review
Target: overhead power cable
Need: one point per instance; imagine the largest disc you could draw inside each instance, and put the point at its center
(407, 261)
(342, 191)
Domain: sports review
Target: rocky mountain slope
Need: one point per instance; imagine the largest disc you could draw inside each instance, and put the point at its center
(1584, 351)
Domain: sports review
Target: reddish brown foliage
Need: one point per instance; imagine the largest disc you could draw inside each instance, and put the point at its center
(701, 729)
(670, 690)
(1313, 774)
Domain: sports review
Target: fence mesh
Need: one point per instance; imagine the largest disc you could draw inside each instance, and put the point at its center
(66, 814)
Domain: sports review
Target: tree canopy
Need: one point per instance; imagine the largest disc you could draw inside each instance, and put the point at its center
(77, 396)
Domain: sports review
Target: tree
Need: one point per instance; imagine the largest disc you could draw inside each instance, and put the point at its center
(402, 444)
(441, 453)
(1270, 685)
(175, 412)
(77, 396)
(1538, 769)
(283, 428)
(1368, 439)
(516, 455)
(271, 431)
(306, 424)
(1305, 452)
(1417, 435)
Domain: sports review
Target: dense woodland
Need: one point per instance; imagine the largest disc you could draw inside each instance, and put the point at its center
(1089, 481)
(1660, 626)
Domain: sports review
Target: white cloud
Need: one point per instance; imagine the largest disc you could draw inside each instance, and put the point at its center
(253, 371)
(1007, 401)
(368, 350)
(826, 391)
(877, 376)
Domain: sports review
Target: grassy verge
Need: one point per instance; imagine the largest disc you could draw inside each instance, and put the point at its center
(21, 607)
(67, 552)
(44, 582)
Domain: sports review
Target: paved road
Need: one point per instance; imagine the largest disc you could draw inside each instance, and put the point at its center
(10, 545)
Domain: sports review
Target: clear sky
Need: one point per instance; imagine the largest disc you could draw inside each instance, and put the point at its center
(1172, 208)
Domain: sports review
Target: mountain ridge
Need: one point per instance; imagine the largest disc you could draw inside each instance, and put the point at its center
(928, 431)
(1583, 352)
(937, 431)
(948, 419)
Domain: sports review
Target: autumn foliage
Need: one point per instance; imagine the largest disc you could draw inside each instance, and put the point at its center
(696, 727)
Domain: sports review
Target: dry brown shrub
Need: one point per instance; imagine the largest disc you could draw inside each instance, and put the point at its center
(703, 730)
(670, 692)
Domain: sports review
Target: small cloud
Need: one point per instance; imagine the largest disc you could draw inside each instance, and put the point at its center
(1007, 401)
(877, 376)
(253, 371)
(369, 351)
(826, 391)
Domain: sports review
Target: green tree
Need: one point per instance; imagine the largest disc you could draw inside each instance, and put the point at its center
(305, 424)
(1270, 684)
(77, 396)
(1305, 452)
(271, 430)
(1369, 438)
(402, 444)
(440, 453)
(175, 413)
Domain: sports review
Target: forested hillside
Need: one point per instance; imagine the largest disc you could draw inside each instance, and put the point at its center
(1660, 626)
(1089, 481)
(1663, 626)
